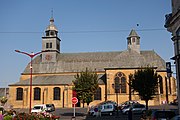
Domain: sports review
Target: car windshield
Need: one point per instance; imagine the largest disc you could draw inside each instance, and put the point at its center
(48, 105)
(37, 107)
(127, 106)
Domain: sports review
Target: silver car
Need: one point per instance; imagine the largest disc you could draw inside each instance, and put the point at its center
(136, 108)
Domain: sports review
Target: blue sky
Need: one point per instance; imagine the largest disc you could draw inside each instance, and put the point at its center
(84, 26)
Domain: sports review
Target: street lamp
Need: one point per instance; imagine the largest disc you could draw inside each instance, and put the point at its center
(31, 55)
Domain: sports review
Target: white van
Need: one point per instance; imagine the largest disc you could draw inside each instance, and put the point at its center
(107, 108)
(39, 108)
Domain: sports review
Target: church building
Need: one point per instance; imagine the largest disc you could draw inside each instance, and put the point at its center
(53, 72)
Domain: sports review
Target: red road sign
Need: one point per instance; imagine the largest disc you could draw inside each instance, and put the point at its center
(74, 100)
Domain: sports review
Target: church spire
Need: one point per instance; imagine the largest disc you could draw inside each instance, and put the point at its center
(133, 41)
(50, 42)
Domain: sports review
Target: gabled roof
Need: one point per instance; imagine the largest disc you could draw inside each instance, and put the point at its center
(77, 62)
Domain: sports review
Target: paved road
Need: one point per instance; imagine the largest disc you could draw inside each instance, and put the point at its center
(81, 113)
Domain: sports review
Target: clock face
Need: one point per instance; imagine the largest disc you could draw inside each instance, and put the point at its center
(48, 57)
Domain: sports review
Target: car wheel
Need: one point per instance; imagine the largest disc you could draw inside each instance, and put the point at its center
(143, 112)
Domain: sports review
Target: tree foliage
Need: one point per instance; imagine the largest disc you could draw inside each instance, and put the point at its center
(145, 82)
(3, 100)
(85, 85)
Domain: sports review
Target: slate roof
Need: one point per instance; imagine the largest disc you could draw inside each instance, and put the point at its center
(77, 62)
(52, 80)
(133, 34)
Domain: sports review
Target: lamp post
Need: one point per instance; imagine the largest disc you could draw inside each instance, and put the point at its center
(31, 55)
(65, 89)
(116, 87)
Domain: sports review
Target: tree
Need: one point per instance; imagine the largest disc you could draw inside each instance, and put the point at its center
(130, 85)
(85, 85)
(145, 82)
(3, 100)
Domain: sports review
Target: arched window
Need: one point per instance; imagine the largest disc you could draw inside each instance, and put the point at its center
(123, 84)
(161, 85)
(37, 93)
(19, 93)
(97, 95)
(57, 92)
(120, 81)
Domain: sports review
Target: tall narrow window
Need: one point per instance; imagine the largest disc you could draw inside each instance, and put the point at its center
(123, 84)
(129, 42)
(120, 81)
(47, 45)
(161, 85)
(37, 93)
(133, 40)
(19, 94)
(57, 46)
(97, 95)
(57, 92)
(50, 45)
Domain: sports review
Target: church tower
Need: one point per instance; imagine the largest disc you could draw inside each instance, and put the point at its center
(50, 42)
(133, 41)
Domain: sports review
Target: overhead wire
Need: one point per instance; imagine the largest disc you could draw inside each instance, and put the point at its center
(82, 31)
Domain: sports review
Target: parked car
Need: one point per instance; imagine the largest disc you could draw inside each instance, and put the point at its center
(136, 108)
(174, 102)
(162, 115)
(107, 108)
(39, 108)
(126, 103)
(91, 110)
(177, 117)
(50, 107)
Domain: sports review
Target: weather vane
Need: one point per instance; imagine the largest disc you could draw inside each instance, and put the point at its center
(52, 13)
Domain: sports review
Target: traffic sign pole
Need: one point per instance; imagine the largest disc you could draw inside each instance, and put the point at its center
(74, 102)
(74, 110)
